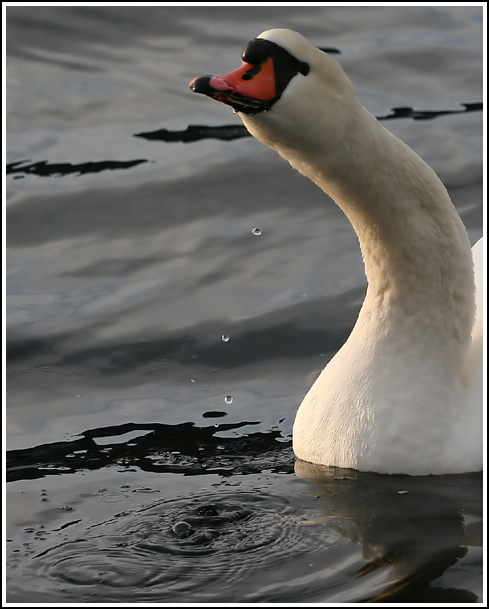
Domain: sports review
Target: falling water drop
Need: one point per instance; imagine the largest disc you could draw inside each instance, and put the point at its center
(228, 399)
(256, 231)
(225, 338)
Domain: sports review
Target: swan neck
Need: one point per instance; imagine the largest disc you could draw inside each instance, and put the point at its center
(415, 247)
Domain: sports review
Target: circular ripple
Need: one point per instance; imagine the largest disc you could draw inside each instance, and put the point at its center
(185, 549)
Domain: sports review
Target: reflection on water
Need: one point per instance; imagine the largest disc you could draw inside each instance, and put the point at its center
(410, 529)
(170, 302)
(43, 168)
(258, 535)
(192, 133)
(181, 449)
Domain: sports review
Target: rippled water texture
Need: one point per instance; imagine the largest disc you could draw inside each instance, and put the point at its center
(342, 536)
(199, 546)
(173, 289)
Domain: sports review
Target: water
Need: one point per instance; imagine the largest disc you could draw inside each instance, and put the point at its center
(132, 476)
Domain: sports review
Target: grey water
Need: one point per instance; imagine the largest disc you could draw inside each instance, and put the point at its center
(169, 303)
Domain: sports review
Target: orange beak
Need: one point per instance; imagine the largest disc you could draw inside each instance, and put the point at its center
(249, 89)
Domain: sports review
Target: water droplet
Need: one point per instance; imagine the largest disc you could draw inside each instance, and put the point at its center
(78, 396)
(256, 231)
(228, 399)
(182, 529)
(192, 380)
(225, 338)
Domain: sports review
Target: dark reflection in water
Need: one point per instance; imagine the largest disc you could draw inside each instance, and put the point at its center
(410, 529)
(419, 115)
(180, 449)
(44, 168)
(192, 133)
(392, 537)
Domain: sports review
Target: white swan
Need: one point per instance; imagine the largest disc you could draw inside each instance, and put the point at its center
(405, 392)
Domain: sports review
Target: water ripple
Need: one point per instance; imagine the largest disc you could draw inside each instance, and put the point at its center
(178, 548)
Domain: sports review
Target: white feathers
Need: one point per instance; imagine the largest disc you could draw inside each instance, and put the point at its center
(404, 394)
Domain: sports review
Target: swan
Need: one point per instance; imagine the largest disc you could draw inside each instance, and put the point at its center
(404, 395)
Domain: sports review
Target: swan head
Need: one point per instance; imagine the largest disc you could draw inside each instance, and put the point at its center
(287, 91)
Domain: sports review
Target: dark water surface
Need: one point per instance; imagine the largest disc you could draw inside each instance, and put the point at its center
(170, 303)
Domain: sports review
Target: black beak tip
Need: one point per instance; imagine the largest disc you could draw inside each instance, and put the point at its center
(201, 85)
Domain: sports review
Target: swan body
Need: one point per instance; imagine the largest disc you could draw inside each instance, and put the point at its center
(405, 392)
